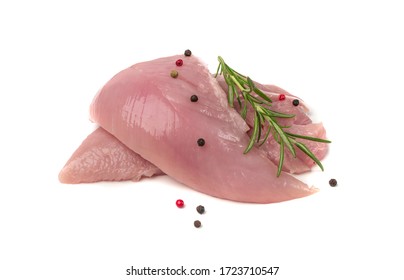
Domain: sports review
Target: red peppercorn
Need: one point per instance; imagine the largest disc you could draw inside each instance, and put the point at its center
(179, 62)
(179, 203)
(282, 97)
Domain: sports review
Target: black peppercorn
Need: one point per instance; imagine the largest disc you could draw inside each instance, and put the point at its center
(194, 98)
(201, 142)
(200, 209)
(197, 224)
(295, 102)
(187, 53)
(333, 183)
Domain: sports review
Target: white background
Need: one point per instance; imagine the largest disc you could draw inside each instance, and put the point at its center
(344, 58)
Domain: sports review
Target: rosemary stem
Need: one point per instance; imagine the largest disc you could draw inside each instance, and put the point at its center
(260, 104)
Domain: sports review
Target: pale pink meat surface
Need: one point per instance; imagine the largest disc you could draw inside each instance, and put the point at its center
(102, 157)
(79, 170)
(151, 113)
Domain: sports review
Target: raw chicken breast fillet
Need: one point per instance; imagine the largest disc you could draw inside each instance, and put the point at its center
(151, 113)
(102, 157)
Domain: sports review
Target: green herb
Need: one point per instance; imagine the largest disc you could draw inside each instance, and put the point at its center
(242, 88)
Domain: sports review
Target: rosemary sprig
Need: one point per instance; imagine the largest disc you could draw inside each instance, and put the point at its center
(240, 88)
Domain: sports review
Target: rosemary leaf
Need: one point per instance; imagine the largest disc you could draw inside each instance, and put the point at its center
(306, 150)
(230, 95)
(244, 110)
(284, 138)
(308, 137)
(240, 103)
(219, 68)
(262, 95)
(281, 157)
(254, 135)
(256, 99)
(260, 120)
(266, 136)
(271, 113)
(237, 83)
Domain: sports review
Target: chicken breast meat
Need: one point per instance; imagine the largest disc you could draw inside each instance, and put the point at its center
(201, 144)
